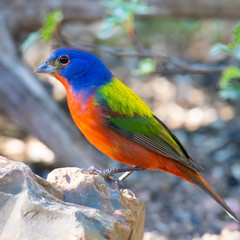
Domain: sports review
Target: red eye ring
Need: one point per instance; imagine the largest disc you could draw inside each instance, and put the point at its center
(64, 60)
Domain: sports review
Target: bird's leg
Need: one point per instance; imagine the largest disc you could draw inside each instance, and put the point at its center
(96, 171)
(125, 175)
(108, 173)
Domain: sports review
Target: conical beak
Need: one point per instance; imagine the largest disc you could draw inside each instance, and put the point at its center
(45, 67)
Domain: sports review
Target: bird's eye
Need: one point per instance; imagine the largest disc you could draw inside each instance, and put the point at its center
(64, 60)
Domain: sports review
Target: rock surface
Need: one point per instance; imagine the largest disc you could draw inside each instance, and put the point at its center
(69, 205)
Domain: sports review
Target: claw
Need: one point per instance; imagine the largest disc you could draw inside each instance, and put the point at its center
(103, 173)
(108, 173)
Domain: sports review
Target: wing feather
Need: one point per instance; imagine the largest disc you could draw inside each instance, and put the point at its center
(129, 116)
(155, 144)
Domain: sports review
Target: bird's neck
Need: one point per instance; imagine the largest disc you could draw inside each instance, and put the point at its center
(76, 93)
(80, 97)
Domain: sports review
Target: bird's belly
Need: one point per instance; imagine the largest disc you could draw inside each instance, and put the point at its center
(91, 123)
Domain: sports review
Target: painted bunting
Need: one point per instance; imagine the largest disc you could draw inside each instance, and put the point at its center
(117, 122)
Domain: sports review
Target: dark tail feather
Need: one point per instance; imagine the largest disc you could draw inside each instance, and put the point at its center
(196, 178)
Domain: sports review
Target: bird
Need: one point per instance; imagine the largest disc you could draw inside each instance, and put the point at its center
(118, 122)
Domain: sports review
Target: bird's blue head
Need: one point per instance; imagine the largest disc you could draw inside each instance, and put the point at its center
(80, 69)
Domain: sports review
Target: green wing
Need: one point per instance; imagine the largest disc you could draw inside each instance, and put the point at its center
(128, 115)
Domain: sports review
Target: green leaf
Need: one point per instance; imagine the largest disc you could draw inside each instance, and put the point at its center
(31, 39)
(120, 12)
(50, 25)
(144, 9)
(220, 47)
(138, 7)
(230, 83)
(236, 52)
(228, 75)
(146, 67)
(107, 30)
(236, 34)
(230, 78)
(231, 93)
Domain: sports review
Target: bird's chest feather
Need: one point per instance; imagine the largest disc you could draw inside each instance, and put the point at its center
(90, 120)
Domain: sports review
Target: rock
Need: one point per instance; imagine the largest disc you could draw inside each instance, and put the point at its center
(153, 236)
(68, 205)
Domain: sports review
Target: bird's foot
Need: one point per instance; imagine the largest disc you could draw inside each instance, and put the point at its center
(93, 170)
(103, 173)
(108, 173)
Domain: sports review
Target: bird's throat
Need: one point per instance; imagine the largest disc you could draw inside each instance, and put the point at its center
(63, 81)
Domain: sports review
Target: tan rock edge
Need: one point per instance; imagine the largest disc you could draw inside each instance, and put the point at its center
(68, 205)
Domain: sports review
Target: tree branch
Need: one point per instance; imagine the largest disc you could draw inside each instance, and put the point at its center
(171, 65)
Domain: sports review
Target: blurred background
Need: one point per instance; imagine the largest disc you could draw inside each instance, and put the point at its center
(181, 57)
